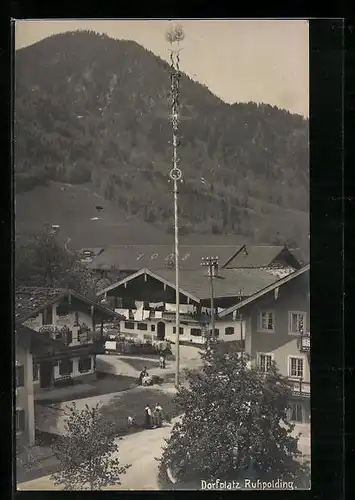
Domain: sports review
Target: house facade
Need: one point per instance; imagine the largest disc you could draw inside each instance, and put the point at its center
(146, 300)
(24, 409)
(277, 329)
(69, 319)
(27, 342)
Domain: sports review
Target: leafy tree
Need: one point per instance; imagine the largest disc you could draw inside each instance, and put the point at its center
(87, 453)
(27, 458)
(234, 424)
(42, 261)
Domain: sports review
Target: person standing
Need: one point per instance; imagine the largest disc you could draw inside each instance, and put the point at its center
(148, 417)
(158, 413)
(161, 360)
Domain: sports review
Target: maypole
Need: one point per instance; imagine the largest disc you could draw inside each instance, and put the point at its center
(175, 35)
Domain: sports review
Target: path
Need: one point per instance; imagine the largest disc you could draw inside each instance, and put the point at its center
(119, 365)
(138, 449)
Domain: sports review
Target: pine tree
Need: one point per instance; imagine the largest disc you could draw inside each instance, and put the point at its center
(87, 453)
(234, 425)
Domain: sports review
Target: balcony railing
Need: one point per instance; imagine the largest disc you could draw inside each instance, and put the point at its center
(300, 388)
(305, 342)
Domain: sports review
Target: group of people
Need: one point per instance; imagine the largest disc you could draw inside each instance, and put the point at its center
(153, 418)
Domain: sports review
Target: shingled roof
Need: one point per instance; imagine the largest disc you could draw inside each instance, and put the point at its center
(230, 282)
(256, 256)
(196, 284)
(156, 257)
(31, 300)
(260, 293)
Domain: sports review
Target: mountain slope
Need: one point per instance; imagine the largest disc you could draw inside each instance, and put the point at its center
(94, 111)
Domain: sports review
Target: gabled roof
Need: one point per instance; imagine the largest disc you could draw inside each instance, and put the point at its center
(196, 284)
(264, 291)
(153, 275)
(30, 301)
(156, 257)
(255, 256)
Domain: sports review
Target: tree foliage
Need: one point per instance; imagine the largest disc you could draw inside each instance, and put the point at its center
(90, 109)
(42, 261)
(234, 424)
(27, 457)
(87, 453)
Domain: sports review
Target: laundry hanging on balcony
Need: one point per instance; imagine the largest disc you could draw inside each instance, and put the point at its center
(186, 308)
(156, 305)
(146, 314)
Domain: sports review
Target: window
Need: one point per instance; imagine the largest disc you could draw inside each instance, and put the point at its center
(216, 332)
(129, 325)
(181, 330)
(265, 361)
(296, 322)
(84, 365)
(142, 326)
(20, 376)
(196, 332)
(20, 420)
(67, 336)
(65, 367)
(267, 321)
(35, 372)
(76, 318)
(83, 335)
(296, 367)
(229, 330)
(47, 316)
(295, 412)
(152, 328)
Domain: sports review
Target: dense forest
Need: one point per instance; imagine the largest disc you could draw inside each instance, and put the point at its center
(94, 111)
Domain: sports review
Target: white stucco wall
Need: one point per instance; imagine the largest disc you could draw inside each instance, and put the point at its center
(186, 325)
(75, 372)
(24, 395)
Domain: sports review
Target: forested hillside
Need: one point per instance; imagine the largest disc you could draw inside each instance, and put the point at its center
(94, 111)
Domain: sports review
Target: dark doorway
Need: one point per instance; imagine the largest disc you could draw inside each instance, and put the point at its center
(161, 331)
(46, 374)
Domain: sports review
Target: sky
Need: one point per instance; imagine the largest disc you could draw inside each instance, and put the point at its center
(265, 61)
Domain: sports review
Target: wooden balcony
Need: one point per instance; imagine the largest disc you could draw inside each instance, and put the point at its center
(300, 388)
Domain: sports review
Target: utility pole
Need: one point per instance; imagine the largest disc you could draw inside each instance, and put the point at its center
(212, 265)
(175, 35)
